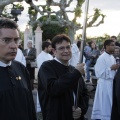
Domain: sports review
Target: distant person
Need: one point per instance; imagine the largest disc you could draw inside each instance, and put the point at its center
(16, 100)
(20, 57)
(48, 40)
(114, 38)
(51, 52)
(44, 55)
(57, 83)
(30, 56)
(94, 54)
(87, 51)
(116, 52)
(105, 70)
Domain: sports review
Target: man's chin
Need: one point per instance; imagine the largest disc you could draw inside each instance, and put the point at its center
(11, 58)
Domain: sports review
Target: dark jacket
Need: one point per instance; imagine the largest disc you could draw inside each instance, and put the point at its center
(115, 115)
(16, 100)
(31, 56)
(56, 84)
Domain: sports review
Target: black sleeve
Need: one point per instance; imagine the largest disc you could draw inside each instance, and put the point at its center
(83, 100)
(48, 79)
(31, 95)
(116, 88)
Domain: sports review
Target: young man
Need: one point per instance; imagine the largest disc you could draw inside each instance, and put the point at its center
(44, 55)
(57, 83)
(16, 101)
(105, 70)
(114, 38)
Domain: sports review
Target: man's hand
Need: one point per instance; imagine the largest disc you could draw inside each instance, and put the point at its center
(76, 112)
(115, 66)
(80, 68)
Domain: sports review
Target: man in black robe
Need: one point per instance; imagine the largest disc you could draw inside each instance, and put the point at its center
(16, 100)
(57, 84)
(115, 114)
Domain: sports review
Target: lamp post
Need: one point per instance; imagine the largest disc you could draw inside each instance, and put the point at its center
(15, 11)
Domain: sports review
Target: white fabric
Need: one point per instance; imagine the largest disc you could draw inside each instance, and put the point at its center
(43, 56)
(28, 50)
(75, 56)
(20, 57)
(4, 65)
(103, 97)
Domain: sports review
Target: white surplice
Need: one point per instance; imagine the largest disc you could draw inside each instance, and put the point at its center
(20, 57)
(43, 56)
(75, 59)
(103, 97)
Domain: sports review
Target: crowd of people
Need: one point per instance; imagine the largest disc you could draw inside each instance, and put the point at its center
(62, 92)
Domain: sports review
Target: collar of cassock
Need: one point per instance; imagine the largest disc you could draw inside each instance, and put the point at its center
(59, 61)
(4, 65)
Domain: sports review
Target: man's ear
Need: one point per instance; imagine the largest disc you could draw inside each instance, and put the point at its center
(54, 51)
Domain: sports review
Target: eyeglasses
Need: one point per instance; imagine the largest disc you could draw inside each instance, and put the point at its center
(62, 48)
(9, 40)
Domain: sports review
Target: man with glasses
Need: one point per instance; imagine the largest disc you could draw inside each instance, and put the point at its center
(16, 101)
(105, 70)
(57, 82)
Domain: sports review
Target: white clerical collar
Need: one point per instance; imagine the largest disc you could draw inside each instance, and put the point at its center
(4, 65)
(59, 61)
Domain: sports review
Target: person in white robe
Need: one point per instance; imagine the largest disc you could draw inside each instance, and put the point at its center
(20, 57)
(105, 69)
(75, 59)
(43, 56)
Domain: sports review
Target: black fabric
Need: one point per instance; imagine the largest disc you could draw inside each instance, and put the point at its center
(115, 115)
(16, 101)
(117, 44)
(55, 90)
(83, 100)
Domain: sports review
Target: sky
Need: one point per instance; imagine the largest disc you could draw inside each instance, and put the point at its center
(110, 8)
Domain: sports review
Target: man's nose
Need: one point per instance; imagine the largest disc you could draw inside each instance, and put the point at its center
(13, 44)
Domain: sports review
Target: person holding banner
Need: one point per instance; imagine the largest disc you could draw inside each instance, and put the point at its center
(57, 83)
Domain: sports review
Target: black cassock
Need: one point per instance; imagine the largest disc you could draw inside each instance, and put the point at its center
(115, 115)
(56, 83)
(16, 101)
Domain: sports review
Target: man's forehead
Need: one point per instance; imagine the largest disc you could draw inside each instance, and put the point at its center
(7, 32)
(63, 43)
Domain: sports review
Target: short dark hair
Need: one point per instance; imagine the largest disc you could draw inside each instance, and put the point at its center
(114, 37)
(45, 44)
(8, 23)
(107, 42)
(59, 39)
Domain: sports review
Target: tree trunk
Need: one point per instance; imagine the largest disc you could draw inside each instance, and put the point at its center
(71, 34)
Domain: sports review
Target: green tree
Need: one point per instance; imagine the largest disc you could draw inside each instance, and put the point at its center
(62, 10)
(50, 30)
